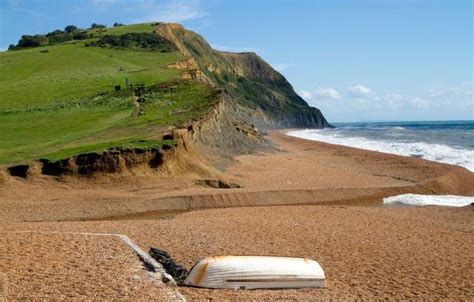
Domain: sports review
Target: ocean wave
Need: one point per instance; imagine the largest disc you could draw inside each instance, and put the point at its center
(430, 200)
(435, 152)
(398, 128)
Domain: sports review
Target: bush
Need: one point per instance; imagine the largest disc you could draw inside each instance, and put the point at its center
(32, 41)
(58, 36)
(53, 33)
(81, 35)
(135, 40)
(95, 25)
(70, 28)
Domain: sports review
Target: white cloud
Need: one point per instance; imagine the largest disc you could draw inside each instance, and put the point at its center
(361, 91)
(394, 100)
(393, 97)
(327, 93)
(463, 90)
(171, 11)
(419, 103)
(305, 94)
(362, 103)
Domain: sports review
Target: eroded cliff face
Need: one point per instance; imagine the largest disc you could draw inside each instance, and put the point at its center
(260, 95)
(205, 147)
(113, 161)
(201, 150)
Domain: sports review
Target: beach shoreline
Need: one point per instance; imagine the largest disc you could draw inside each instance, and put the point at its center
(298, 200)
(298, 172)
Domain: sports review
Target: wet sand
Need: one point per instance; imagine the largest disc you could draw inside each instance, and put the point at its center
(368, 252)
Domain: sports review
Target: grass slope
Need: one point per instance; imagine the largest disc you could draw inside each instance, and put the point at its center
(60, 103)
(29, 78)
(62, 130)
(120, 30)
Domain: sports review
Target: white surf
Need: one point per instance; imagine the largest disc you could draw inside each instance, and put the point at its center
(435, 152)
(430, 200)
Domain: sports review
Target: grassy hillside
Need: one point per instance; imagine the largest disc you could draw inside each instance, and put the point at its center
(68, 71)
(59, 100)
(64, 129)
(120, 30)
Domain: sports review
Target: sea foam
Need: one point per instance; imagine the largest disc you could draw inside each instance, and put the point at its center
(427, 200)
(430, 151)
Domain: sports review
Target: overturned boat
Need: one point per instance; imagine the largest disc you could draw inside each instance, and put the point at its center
(253, 272)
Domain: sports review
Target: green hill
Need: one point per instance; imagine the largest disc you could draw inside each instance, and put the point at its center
(61, 99)
(68, 71)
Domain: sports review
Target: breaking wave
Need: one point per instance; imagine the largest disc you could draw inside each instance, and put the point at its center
(410, 144)
(428, 200)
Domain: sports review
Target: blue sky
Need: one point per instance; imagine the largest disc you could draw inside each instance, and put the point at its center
(355, 60)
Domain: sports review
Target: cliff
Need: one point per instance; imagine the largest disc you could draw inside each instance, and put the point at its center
(193, 114)
(262, 96)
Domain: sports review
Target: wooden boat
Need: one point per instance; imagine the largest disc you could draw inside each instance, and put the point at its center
(252, 272)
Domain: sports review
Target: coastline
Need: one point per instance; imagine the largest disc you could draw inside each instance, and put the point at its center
(446, 142)
(298, 172)
(367, 252)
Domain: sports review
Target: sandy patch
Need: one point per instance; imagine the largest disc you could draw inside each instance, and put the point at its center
(65, 266)
(366, 252)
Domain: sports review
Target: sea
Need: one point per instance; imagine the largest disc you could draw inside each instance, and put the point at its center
(450, 142)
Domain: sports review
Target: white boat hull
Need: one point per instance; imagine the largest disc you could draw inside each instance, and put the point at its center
(254, 272)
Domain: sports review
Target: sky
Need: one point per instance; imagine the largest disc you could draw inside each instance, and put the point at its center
(363, 60)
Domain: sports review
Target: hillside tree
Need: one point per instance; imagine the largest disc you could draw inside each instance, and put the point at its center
(70, 28)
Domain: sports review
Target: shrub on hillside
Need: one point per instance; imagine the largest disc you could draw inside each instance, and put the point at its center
(32, 41)
(135, 40)
(95, 25)
(71, 28)
(58, 36)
